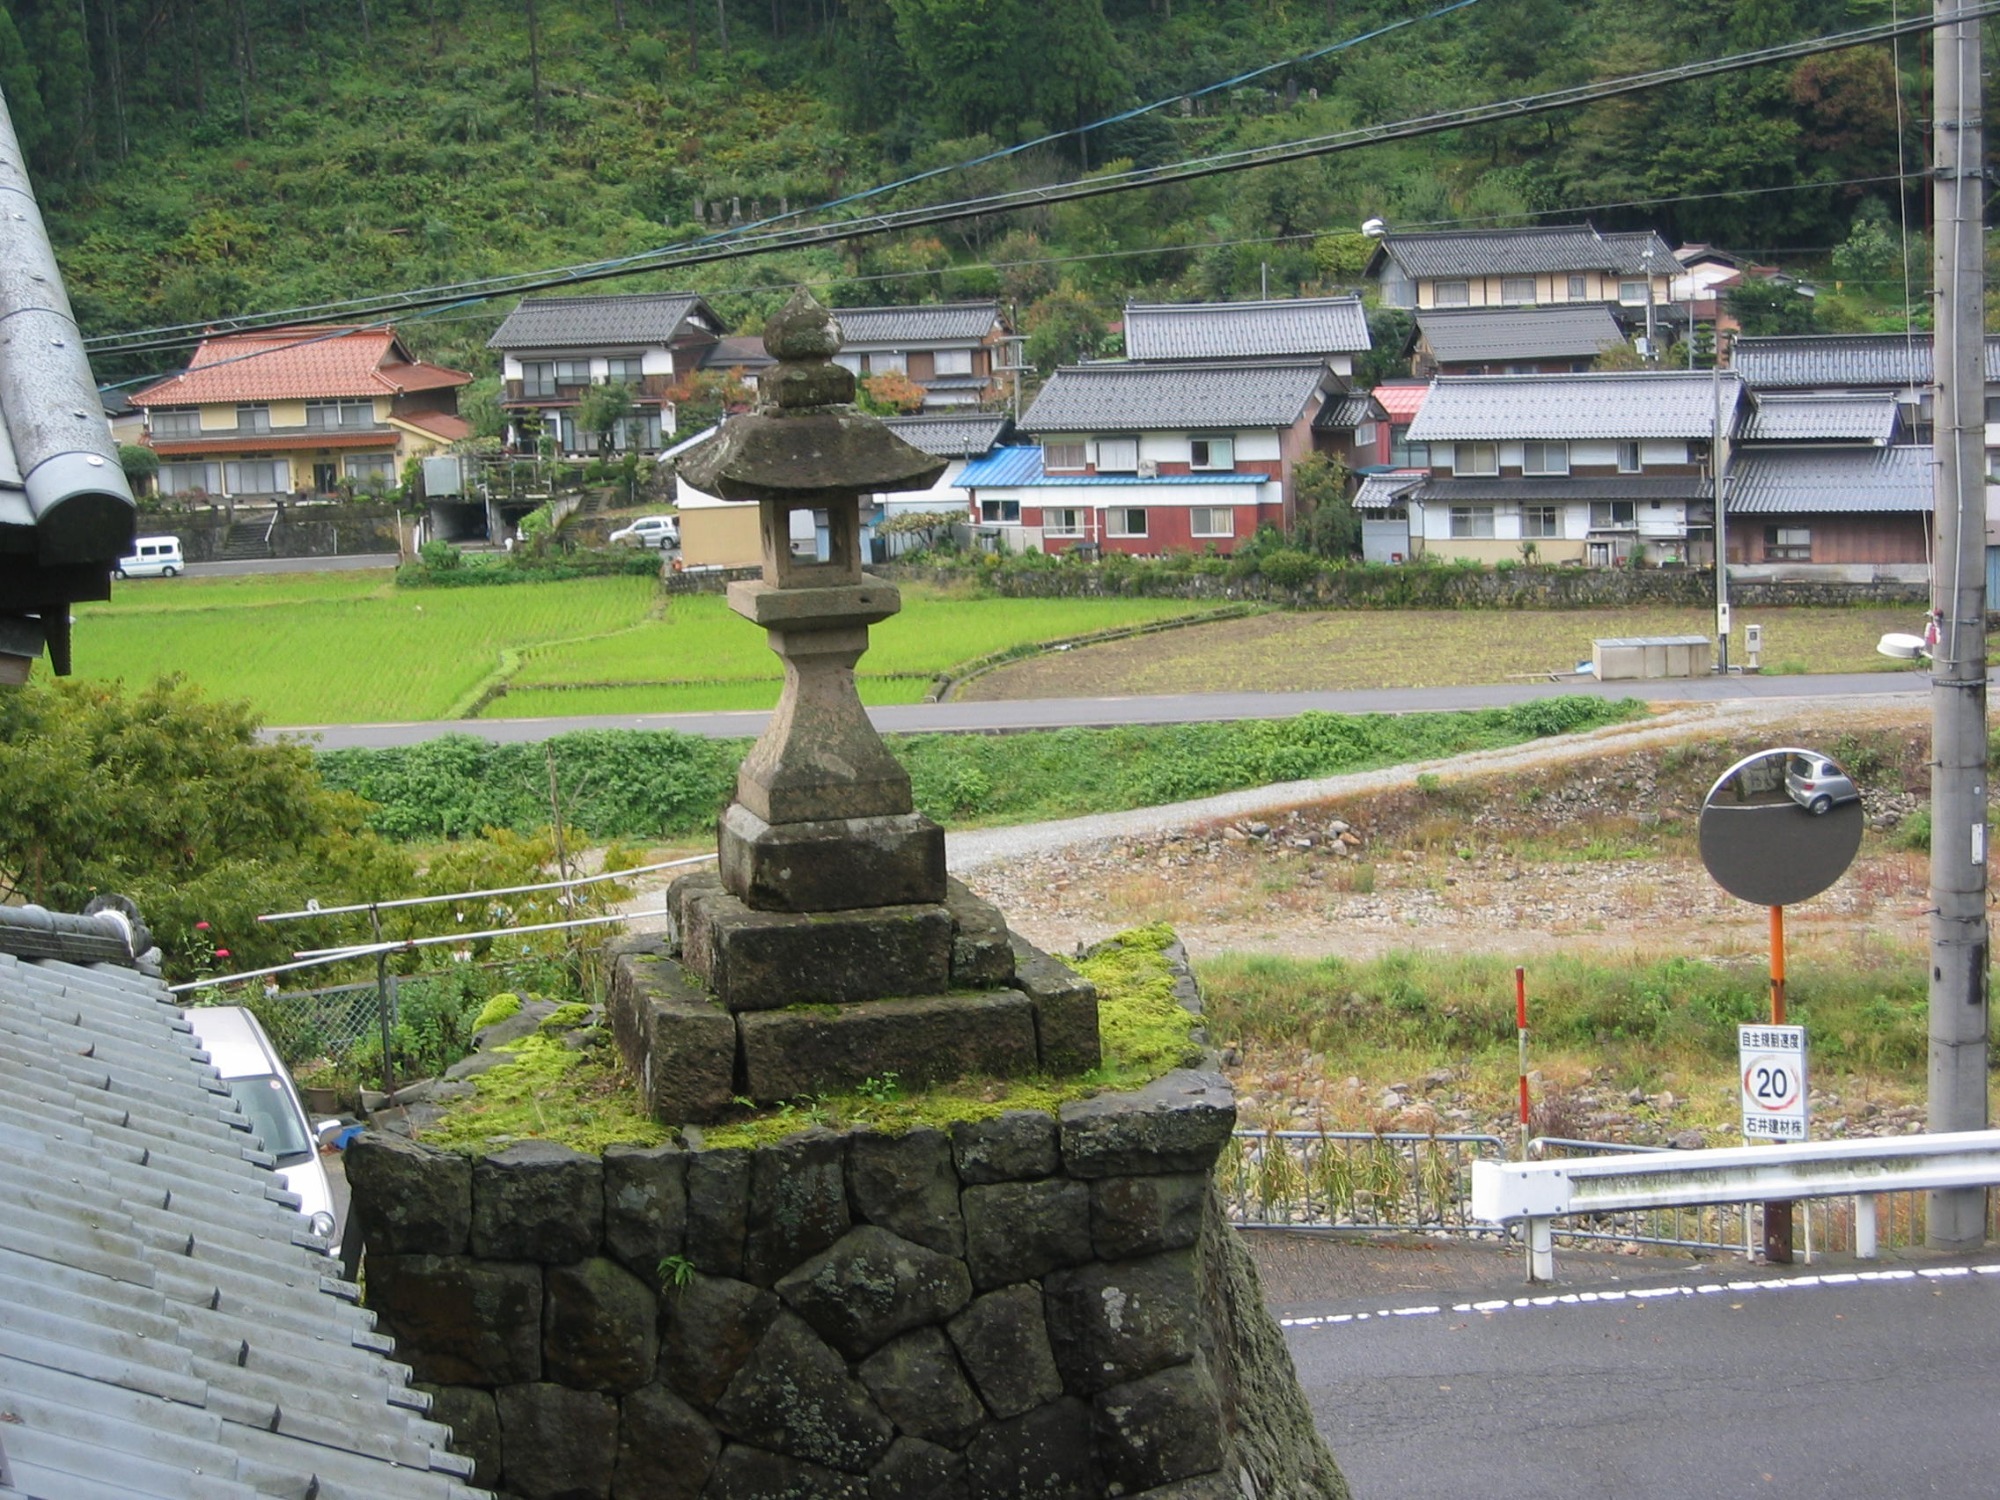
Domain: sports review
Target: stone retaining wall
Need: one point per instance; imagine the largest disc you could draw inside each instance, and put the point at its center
(1031, 1307)
(305, 531)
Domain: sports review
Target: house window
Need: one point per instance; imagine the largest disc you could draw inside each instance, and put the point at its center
(1545, 458)
(1063, 456)
(1517, 289)
(1993, 408)
(1452, 294)
(1122, 520)
(372, 471)
(1579, 288)
(1405, 454)
(1364, 435)
(624, 371)
(1611, 515)
(329, 416)
(253, 419)
(887, 363)
(953, 362)
(1118, 456)
(1788, 544)
(1212, 520)
(1541, 520)
(1472, 520)
(1211, 453)
(572, 372)
(1000, 512)
(262, 477)
(1628, 458)
(176, 424)
(1476, 458)
(640, 430)
(1634, 293)
(1064, 521)
(190, 479)
(538, 379)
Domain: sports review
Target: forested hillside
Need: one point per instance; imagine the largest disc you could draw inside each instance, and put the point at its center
(204, 157)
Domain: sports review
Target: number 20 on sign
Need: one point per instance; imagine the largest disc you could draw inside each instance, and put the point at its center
(1773, 1063)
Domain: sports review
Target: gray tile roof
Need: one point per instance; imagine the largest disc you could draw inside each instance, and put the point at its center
(1883, 361)
(1797, 481)
(1600, 404)
(914, 327)
(643, 320)
(167, 1328)
(1581, 331)
(1380, 491)
(744, 351)
(1245, 330)
(1637, 487)
(1342, 412)
(1524, 252)
(1174, 397)
(1836, 417)
(949, 436)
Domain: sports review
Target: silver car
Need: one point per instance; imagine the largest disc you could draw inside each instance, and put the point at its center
(650, 531)
(1816, 783)
(241, 1052)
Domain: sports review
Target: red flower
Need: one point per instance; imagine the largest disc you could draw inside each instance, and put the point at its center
(222, 953)
(201, 927)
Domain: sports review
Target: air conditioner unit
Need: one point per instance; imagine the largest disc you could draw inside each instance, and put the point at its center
(1148, 469)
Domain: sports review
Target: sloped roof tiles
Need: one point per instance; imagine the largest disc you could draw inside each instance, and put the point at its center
(908, 327)
(1245, 330)
(1880, 360)
(1457, 253)
(1581, 331)
(1599, 404)
(1174, 397)
(1835, 417)
(1795, 481)
(299, 364)
(950, 436)
(630, 320)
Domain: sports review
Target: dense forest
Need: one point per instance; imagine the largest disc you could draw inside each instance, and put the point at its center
(207, 157)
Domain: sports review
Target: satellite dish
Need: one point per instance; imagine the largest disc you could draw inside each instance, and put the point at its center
(1374, 228)
(1902, 647)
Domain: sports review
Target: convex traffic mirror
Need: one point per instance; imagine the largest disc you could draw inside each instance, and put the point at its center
(1780, 826)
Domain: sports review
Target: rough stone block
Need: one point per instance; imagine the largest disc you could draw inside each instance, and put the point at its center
(559, 1444)
(796, 1397)
(676, 1041)
(872, 1286)
(598, 1327)
(906, 1184)
(835, 864)
(1158, 1430)
(746, 1473)
(916, 1470)
(1113, 1323)
(1041, 1455)
(1012, 1147)
(718, 1209)
(1003, 1338)
(790, 1053)
(708, 1327)
(1216, 1486)
(916, 1379)
(1017, 1231)
(666, 1449)
(419, 1200)
(458, 1321)
(474, 1420)
(1178, 1123)
(1144, 1215)
(537, 1200)
(1065, 1010)
(762, 960)
(798, 1203)
(982, 951)
(645, 1206)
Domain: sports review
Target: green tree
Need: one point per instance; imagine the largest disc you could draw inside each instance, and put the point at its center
(1765, 307)
(1329, 525)
(1063, 327)
(600, 411)
(140, 463)
(22, 89)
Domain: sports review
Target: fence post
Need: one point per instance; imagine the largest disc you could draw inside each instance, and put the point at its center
(382, 1002)
(1864, 1226)
(1541, 1250)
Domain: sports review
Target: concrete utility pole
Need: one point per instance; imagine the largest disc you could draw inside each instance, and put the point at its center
(1958, 986)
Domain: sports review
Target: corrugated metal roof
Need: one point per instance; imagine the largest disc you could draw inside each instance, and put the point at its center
(1795, 481)
(1174, 397)
(1526, 252)
(949, 436)
(166, 1328)
(1402, 402)
(639, 320)
(1580, 331)
(1882, 361)
(1827, 418)
(1635, 487)
(1599, 404)
(318, 363)
(1014, 468)
(1245, 330)
(907, 327)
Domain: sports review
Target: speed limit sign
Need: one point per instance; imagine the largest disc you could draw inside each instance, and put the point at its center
(1773, 1064)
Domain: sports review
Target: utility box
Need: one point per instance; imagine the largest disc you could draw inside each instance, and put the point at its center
(1625, 658)
(1753, 643)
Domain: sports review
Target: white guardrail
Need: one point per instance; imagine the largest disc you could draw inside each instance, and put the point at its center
(1542, 1191)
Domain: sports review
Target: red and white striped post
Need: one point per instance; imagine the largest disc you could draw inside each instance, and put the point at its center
(1521, 1023)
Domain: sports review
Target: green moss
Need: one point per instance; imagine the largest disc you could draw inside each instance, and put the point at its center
(565, 1017)
(1146, 1031)
(548, 1092)
(813, 1010)
(496, 1010)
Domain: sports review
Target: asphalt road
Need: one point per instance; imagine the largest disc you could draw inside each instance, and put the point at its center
(352, 564)
(1811, 1383)
(1185, 708)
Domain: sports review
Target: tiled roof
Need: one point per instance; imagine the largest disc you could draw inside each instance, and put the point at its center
(298, 364)
(905, 327)
(1173, 397)
(948, 436)
(1793, 481)
(1343, 412)
(1524, 252)
(1825, 418)
(1380, 491)
(740, 351)
(1568, 487)
(633, 320)
(439, 424)
(1022, 467)
(1402, 401)
(1245, 330)
(1577, 332)
(1649, 404)
(170, 1329)
(1881, 360)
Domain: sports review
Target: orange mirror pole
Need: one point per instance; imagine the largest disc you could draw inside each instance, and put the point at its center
(1778, 1216)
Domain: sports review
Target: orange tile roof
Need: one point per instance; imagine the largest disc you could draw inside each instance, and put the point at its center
(1402, 402)
(440, 424)
(315, 363)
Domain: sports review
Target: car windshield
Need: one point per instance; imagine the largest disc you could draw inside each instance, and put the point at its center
(268, 1103)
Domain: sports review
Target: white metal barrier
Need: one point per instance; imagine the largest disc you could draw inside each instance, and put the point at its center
(1541, 1191)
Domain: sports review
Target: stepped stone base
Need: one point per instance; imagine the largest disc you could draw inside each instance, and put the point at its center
(790, 1053)
(835, 864)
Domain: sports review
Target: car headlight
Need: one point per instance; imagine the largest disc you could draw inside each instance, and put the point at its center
(322, 1224)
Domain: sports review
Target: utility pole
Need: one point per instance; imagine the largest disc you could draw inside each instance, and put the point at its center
(1956, 1217)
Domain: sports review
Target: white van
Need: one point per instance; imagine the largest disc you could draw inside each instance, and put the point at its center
(153, 557)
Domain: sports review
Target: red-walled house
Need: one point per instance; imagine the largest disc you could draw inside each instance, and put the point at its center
(1153, 458)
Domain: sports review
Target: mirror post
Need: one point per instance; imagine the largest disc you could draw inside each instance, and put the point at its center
(1778, 1215)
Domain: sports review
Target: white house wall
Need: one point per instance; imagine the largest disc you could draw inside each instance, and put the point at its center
(656, 362)
(945, 494)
